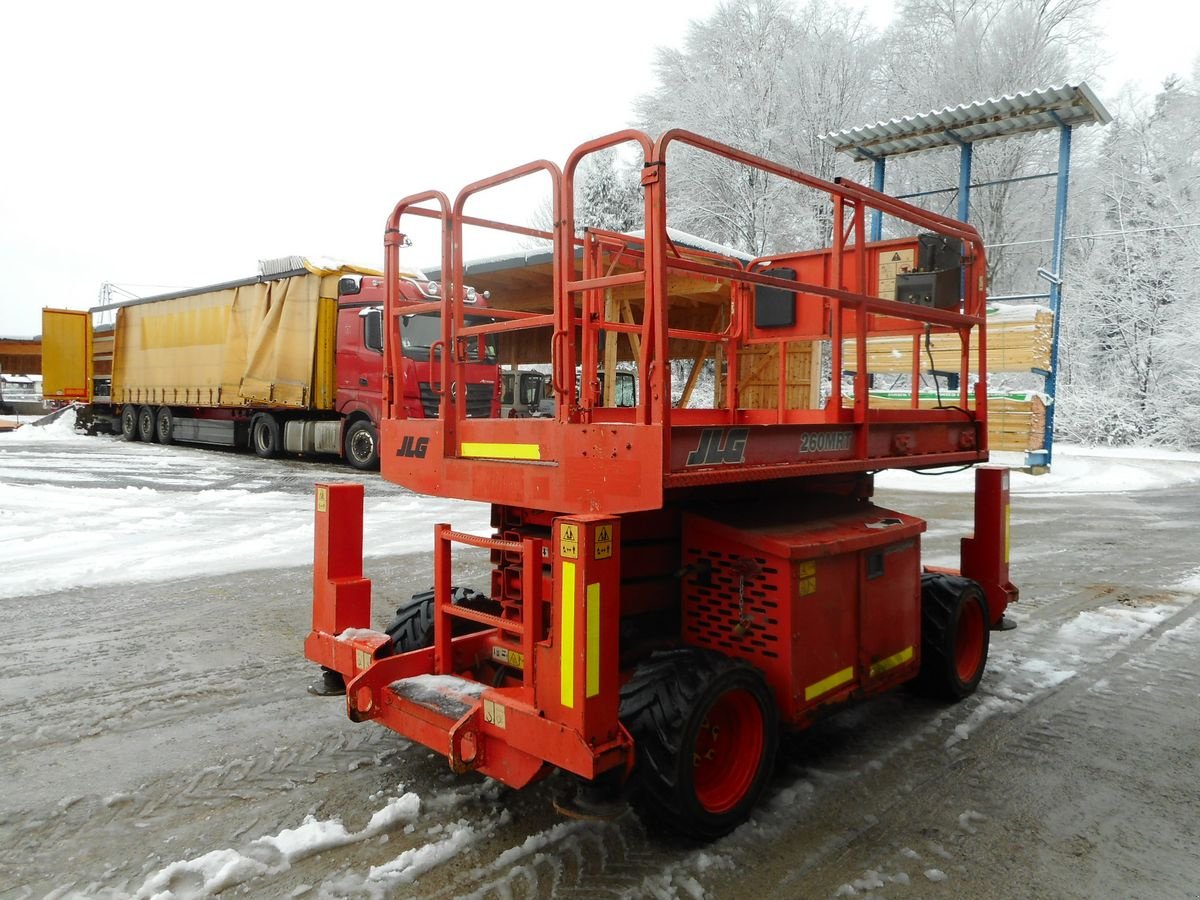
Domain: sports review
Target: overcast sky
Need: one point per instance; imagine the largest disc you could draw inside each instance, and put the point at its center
(160, 145)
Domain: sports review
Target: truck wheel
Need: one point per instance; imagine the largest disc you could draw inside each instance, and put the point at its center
(362, 445)
(412, 628)
(264, 436)
(705, 729)
(129, 423)
(164, 425)
(954, 636)
(145, 424)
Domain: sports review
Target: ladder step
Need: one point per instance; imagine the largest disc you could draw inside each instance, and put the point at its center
(449, 696)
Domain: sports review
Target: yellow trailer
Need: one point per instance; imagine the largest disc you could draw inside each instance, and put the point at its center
(244, 362)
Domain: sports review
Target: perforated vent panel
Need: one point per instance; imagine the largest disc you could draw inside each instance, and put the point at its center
(710, 609)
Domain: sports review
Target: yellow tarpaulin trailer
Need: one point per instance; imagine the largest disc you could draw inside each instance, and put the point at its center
(266, 342)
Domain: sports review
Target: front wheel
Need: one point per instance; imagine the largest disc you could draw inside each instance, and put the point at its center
(264, 436)
(362, 445)
(954, 636)
(706, 730)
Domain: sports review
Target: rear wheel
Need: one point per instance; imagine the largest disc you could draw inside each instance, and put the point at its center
(129, 423)
(706, 730)
(145, 423)
(264, 436)
(954, 636)
(412, 628)
(164, 426)
(362, 445)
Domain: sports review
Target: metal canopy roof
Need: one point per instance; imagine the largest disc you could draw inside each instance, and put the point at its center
(1070, 105)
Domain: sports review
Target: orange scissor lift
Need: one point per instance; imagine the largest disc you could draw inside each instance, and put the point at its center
(672, 582)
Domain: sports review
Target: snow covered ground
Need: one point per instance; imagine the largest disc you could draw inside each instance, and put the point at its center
(206, 770)
(73, 515)
(1076, 470)
(67, 504)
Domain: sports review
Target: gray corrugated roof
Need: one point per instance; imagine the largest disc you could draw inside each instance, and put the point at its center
(1070, 104)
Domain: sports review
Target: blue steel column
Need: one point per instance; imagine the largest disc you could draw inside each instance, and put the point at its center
(964, 181)
(877, 215)
(1056, 266)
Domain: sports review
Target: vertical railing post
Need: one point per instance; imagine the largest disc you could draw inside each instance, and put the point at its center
(443, 631)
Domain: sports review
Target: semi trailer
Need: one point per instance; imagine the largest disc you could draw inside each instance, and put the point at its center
(290, 361)
(671, 586)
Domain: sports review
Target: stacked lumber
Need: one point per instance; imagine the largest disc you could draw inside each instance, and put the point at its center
(1014, 345)
(1015, 422)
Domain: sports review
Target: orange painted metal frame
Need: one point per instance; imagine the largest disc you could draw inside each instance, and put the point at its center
(591, 464)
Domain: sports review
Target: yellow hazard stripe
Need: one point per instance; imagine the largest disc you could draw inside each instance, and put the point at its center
(1007, 533)
(825, 685)
(566, 659)
(593, 639)
(501, 451)
(896, 659)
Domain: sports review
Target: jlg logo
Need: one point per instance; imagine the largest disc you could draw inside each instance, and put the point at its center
(414, 447)
(717, 445)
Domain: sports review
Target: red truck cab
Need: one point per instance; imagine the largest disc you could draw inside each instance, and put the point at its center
(360, 341)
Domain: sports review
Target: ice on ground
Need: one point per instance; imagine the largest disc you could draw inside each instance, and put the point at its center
(532, 844)
(1013, 678)
(935, 875)
(400, 809)
(1076, 470)
(269, 855)
(412, 863)
(213, 871)
(1190, 583)
(66, 523)
(60, 429)
(1187, 633)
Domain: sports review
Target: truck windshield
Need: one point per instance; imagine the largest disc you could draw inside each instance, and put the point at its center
(419, 333)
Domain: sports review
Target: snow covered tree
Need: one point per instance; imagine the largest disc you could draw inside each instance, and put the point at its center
(1132, 324)
(945, 52)
(608, 194)
(768, 79)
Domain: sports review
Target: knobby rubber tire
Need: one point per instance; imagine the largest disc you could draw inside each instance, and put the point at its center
(665, 707)
(954, 634)
(412, 627)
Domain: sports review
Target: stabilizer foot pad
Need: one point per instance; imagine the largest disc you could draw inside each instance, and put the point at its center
(330, 684)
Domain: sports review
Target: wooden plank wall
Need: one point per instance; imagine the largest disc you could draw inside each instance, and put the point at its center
(758, 376)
